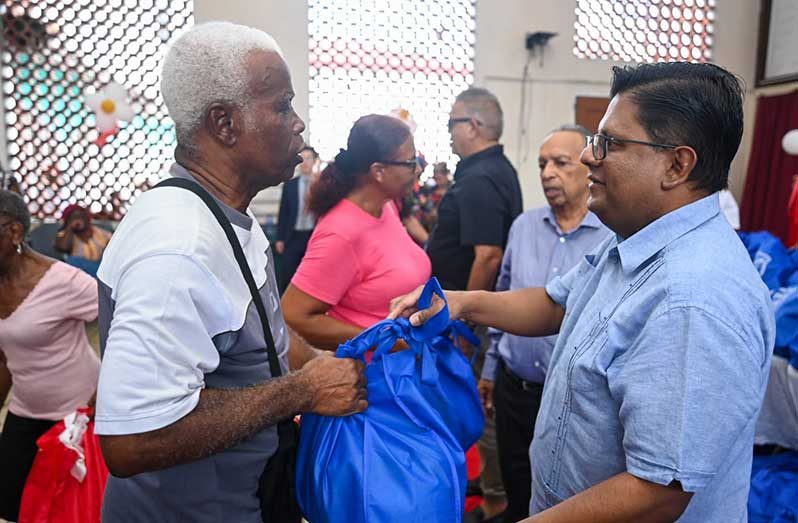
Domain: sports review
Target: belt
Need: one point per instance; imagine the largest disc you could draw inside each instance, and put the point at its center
(518, 381)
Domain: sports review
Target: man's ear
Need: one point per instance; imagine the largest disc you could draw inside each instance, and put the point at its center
(682, 163)
(220, 124)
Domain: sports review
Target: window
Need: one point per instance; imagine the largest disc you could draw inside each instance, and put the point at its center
(59, 49)
(370, 56)
(644, 30)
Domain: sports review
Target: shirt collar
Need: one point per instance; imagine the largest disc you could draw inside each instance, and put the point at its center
(464, 163)
(590, 220)
(234, 215)
(654, 237)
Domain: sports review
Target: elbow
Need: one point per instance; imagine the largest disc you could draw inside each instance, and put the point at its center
(120, 460)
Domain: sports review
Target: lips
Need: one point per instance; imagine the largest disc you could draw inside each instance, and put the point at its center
(595, 180)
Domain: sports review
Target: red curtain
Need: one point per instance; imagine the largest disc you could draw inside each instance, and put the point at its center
(770, 170)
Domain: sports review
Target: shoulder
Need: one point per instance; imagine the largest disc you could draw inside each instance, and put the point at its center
(163, 221)
(343, 220)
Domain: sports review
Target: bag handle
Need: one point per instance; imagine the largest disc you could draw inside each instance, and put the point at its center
(238, 252)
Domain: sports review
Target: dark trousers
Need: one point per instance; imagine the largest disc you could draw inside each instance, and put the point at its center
(17, 451)
(292, 256)
(516, 404)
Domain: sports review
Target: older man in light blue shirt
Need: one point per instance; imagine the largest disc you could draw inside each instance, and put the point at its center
(666, 333)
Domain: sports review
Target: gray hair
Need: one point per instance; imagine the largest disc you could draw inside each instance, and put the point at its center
(571, 128)
(483, 105)
(207, 65)
(13, 206)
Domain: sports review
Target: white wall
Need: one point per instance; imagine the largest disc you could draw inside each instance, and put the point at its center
(554, 86)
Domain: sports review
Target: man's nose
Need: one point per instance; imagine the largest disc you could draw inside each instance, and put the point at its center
(587, 157)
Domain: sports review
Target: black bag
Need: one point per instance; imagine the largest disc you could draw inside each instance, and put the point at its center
(277, 486)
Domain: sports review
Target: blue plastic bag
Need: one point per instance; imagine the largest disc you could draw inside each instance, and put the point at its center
(403, 458)
(774, 489)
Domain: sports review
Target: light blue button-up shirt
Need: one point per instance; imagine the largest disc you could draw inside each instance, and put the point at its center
(537, 252)
(660, 368)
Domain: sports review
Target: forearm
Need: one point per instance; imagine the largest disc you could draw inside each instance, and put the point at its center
(322, 331)
(300, 351)
(5, 380)
(622, 498)
(483, 273)
(416, 230)
(63, 241)
(523, 312)
(221, 419)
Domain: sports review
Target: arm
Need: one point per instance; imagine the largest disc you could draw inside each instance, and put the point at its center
(307, 316)
(523, 312)
(64, 240)
(487, 259)
(224, 418)
(416, 230)
(5, 379)
(622, 498)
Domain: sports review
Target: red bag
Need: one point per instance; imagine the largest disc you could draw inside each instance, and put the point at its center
(67, 481)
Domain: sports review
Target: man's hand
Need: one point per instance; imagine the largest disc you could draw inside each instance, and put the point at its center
(338, 386)
(279, 246)
(407, 306)
(485, 388)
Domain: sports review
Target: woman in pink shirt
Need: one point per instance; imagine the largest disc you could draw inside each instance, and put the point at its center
(360, 255)
(44, 351)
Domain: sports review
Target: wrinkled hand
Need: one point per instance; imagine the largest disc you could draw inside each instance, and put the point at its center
(337, 385)
(485, 388)
(279, 246)
(407, 306)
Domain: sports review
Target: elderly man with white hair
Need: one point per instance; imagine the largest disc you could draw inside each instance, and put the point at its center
(188, 407)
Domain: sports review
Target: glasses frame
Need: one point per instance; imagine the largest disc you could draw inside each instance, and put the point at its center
(593, 143)
(413, 164)
(465, 119)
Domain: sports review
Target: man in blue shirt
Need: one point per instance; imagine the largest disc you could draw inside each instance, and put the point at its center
(543, 244)
(666, 333)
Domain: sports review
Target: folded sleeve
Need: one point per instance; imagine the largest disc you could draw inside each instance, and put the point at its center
(329, 269)
(688, 388)
(166, 310)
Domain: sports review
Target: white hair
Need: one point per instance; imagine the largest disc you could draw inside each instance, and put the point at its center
(206, 65)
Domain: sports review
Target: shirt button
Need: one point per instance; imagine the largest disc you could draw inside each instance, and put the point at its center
(562, 239)
(556, 269)
(537, 364)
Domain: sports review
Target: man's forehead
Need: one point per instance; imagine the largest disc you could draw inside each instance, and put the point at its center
(621, 116)
(562, 142)
(269, 73)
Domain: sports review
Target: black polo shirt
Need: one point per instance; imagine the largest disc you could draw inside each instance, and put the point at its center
(477, 210)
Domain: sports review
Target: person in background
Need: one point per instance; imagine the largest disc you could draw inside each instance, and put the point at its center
(467, 244)
(14, 186)
(360, 255)
(666, 333)
(294, 221)
(441, 175)
(412, 207)
(543, 244)
(80, 240)
(44, 351)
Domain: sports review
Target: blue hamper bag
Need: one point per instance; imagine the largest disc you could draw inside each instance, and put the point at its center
(402, 459)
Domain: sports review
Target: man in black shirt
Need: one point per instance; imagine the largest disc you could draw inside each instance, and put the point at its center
(467, 244)
(475, 215)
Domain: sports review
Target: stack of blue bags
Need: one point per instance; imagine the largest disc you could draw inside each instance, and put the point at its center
(774, 478)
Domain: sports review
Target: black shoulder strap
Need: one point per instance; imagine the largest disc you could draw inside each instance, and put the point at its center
(224, 222)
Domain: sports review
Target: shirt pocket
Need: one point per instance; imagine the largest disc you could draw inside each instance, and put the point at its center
(583, 372)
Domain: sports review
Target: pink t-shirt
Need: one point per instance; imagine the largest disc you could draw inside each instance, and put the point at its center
(53, 366)
(358, 263)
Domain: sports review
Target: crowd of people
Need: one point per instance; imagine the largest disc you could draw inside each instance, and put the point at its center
(625, 336)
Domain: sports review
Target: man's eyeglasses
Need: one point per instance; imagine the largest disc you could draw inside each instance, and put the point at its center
(600, 142)
(454, 121)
